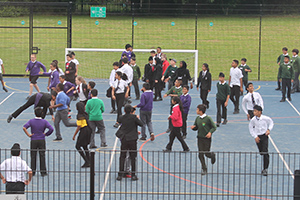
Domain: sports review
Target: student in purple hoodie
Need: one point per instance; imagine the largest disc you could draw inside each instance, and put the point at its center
(38, 143)
(186, 104)
(128, 52)
(54, 76)
(146, 106)
(34, 68)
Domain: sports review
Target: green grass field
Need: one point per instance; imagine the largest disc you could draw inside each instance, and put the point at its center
(229, 38)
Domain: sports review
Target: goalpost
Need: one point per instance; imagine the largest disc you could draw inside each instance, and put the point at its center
(194, 52)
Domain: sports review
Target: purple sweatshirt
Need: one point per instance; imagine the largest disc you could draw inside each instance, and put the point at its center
(67, 86)
(38, 127)
(54, 78)
(146, 103)
(34, 68)
(128, 54)
(186, 103)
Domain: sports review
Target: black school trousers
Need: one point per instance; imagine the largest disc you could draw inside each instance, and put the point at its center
(263, 149)
(204, 145)
(29, 103)
(120, 98)
(38, 146)
(203, 96)
(223, 114)
(235, 96)
(175, 132)
(126, 146)
(286, 85)
(15, 187)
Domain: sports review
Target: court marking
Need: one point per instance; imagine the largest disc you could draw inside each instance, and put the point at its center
(187, 180)
(6, 98)
(108, 169)
(23, 91)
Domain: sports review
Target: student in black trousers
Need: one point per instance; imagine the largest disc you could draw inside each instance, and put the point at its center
(128, 141)
(148, 72)
(119, 94)
(157, 80)
(204, 80)
(236, 85)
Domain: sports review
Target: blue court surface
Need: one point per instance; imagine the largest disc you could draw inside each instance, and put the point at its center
(175, 175)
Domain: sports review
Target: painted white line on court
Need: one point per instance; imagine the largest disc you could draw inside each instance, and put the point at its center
(293, 107)
(108, 169)
(281, 157)
(6, 98)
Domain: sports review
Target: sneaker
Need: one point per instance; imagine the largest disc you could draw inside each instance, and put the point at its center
(103, 145)
(43, 174)
(10, 117)
(115, 112)
(225, 121)
(119, 178)
(27, 97)
(134, 178)
(152, 136)
(142, 139)
(264, 172)
(218, 124)
(236, 112)
(138, 98)
(282, 100)
(160, 99)
(112, 111)
(57, 140)
(290, 99)
(168, 130)
(167, 150)
(277, 88)
(213, 158)
(116, 125)
(86, 165)
(93, 147)
(203, 172)
(5, 89)
(69, 115)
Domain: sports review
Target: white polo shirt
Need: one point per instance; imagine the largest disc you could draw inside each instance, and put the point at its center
(1, 63)
(249, 102)
(260, 125)
(126, 69)
(75, 61)
(81, 95)
(121, 85)
(14, 169)
(236, 74)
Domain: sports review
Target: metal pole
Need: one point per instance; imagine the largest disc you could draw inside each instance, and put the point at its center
(92, 175)
(30, 30)
(259, 45)
(69, 34)
(196, 27)
(132, 25)
(297, 185)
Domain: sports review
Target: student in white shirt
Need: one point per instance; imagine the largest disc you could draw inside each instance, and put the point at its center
(250, 100)
(119, 94)
(236, 85)
(126, 69)
(14, 169)
(260, 127)
(1, 77)
(112, 80)
(81, 89)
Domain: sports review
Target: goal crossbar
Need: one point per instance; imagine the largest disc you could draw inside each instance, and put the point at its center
(67, 50)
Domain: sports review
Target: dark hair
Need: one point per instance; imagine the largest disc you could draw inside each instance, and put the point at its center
(62, 76)
(133, 58)
(287, 57)
(202, 107)
(55, 65)
(127, 109)
(221, 74)
(124, 54)
(146, 86)
(81, 114)
(119, 73)
(132, 110)
(124, 60)
(180, 81)
(258, 108)
(92, 84)
(236, 61)
(55, 61)
(186, 87)
(116, 64)
(205, 65)
(127, 46)
(247, 86)
(159, 48)
(94, 92)
(15, 149)
(244, 59)
(53, 93)
(178, 101)
(152, 51)
(296, 51)
(38, 111)
(69, 55)
(72, 53)
(60, 86)
(285, 49)
(150, 58)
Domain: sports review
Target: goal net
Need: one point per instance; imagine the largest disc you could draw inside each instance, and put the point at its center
(97, 63)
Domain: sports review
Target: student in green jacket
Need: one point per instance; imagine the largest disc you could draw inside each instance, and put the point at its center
(296, 65)
(168, 76)
(245, 69)
(222, 96)
(280, 60)
(286, 76)
(94, 108)
(205, 127)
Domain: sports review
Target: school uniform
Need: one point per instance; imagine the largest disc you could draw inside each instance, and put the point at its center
(70, 71)
(243, 68)
(204, 80)
(159, 85)
(149, 74)
(249, 101)
(82, 92)
(146, 106)
(135, 80)
(34, 69)
(176, 119)
(126, 69)
(258, 126)
(54, 78)
(296, 65)
(280, 60)
(235, 86)
(223, 90)
(67, 86)
(14, 169)
(186, 101)
(38, 143)
(112, 79)
(62, 113)
(286, 73)
(120, 87)
(204, 124)
(182, 74)
(83, 139)
(173, 90)
(170, 73)
(128, 55)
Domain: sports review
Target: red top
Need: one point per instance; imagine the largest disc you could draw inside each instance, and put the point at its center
(165, 65)
(176, 116)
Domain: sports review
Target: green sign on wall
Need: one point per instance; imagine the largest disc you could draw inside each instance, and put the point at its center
(99, 12)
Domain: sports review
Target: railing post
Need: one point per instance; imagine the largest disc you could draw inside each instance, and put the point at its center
(259, 45)
(297, 185)
(92, 175)
(69, 34)
(132, 24)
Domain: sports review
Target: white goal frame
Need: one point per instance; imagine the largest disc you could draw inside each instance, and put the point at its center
(67, 50)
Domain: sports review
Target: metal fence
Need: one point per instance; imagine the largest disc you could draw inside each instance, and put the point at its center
(174, 175)
(220, 32)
